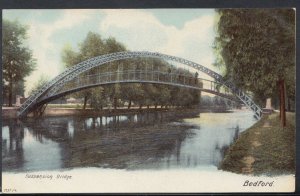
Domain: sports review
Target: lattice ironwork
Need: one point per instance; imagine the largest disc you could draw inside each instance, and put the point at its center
(54, 87)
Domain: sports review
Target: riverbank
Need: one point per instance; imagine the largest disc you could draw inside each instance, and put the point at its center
(11, 112)
(265, 148)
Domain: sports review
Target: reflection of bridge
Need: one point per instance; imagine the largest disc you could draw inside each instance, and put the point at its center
(73, 80)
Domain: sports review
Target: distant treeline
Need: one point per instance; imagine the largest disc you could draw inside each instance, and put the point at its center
(216, 101)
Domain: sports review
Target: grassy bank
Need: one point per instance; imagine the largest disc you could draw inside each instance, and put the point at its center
(265, 148)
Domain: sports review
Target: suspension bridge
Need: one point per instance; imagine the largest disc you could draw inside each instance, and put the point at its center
(74, 79)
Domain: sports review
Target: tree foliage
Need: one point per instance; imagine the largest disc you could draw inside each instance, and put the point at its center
(16, 58)
(39, 84)
(134, 93)
(257, 48)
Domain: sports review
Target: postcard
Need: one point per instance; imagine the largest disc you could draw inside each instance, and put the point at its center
(148, 100)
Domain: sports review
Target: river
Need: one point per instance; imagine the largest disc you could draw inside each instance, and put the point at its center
(145, 152)
(132, 142)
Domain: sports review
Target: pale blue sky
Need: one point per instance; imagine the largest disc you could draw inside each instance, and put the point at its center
(187, 33)
(178, 17)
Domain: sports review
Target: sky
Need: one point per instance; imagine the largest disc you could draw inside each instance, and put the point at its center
(186, 33)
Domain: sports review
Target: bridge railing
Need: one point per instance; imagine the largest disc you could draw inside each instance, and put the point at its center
(83, 80)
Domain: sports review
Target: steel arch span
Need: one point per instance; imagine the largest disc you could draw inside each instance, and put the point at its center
(52, 88)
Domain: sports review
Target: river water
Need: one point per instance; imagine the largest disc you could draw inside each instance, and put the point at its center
(131, 142)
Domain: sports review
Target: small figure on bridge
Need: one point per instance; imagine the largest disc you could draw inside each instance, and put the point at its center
(169, 74)
(196, 78)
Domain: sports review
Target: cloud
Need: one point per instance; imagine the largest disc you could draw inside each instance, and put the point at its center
(140, 30)
(46, 51)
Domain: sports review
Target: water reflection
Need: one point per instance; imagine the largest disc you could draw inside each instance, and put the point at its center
(145, 140)
(12, 146)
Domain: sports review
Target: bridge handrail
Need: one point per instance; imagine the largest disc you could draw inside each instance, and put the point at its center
(150, 72)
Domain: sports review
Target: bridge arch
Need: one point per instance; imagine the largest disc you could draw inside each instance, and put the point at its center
(51, 88)
(79, 88)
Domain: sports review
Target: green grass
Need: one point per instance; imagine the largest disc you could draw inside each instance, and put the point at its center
(275, 155)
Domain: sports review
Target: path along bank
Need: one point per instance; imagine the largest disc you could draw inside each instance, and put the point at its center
(264, 148)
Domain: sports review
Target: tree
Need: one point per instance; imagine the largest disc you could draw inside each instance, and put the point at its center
(112, 46)
(98, 99)
(140, 94)
(39, 84)
(257, 49)
(16, 58)
(130, 93)
(70, 57)
(92, 46)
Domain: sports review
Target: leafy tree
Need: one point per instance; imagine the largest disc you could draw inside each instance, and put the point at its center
(153, 94)
(70, 57)
(128, 93)
(183, 97)
(39, 84)
(98, 98)
(257, 49)
(206, 101)
(16, 58)
(133, 93)
(112, 46)
(92, 46)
